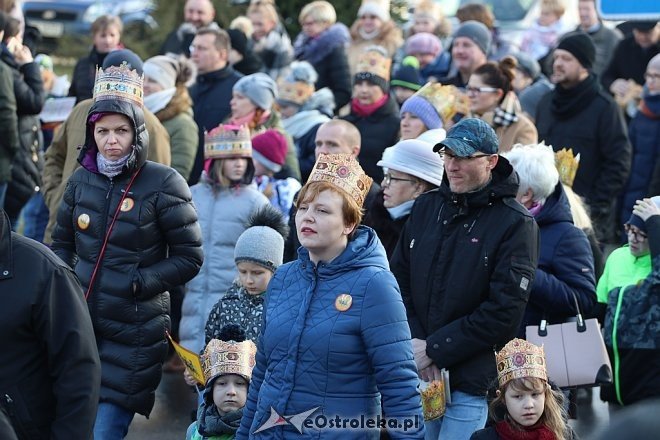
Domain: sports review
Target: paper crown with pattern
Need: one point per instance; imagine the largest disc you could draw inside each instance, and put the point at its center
(118, 82)
(344, 172)
(519, 358)
(228, 141)
(372, 61)
(297, 92)
(230, 357)
(567, 165)
(448, 101)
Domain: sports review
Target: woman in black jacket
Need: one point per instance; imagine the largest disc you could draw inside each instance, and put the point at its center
(129, 229)
(30, 96)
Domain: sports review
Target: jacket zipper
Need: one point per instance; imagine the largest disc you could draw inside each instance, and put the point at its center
(615, 346)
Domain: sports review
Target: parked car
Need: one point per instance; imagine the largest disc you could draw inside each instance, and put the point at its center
(56, 18)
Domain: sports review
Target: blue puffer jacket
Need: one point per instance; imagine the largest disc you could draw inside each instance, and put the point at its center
(566, 266)
(311, 355)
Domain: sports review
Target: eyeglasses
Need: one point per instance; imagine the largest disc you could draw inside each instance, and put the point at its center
(637, 235)
(307, 23)
(388, 179)
(652, 76)
(449, 156)
(478, 90)
(193, 48)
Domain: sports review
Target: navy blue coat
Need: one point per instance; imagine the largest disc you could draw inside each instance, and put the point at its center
(343, 362)
(566, 266)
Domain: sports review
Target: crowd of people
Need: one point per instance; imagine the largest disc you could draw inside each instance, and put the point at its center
(332, 222)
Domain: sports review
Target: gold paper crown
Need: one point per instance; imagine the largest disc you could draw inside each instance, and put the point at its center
(520, 358)
(446, 100)
(120, 83)
(567, 165)
(227, 141)
(372, 61)
(343, 171)
(231, 357)
(297, 92)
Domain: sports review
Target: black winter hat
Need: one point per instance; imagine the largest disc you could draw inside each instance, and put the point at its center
(581, 46)
(118, 57)
(407, 76)
(239, 41)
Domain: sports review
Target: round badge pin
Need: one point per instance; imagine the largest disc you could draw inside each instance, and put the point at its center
(83, 221)
(127, 205)
(343, 302)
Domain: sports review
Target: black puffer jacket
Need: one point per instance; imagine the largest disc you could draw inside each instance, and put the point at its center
(82, 81)
(154, 245)
(28, 163)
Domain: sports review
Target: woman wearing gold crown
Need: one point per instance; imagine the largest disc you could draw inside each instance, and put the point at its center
(335, 341)
(129, 229)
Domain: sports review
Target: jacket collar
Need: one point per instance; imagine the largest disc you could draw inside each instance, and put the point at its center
(6, 259)
(216, 75)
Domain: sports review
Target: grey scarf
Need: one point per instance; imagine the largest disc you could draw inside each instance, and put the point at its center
(110, 168)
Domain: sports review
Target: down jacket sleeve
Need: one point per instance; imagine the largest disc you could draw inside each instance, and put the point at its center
(64, 244)
(387, 341)
(571, 275)
(177, 218)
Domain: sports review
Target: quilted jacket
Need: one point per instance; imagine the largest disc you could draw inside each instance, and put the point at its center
(343, 363)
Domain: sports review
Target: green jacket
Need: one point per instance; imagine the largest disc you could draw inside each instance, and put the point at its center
(8, 123)
(622, 269)
(193, 434)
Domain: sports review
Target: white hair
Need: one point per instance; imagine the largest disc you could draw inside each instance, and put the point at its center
(535, 165)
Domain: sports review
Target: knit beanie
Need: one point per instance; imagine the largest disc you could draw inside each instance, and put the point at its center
(270, 148)
(477, 32)
(374, 67)
(407, 75)
(423, 109)
(259, 88)
(298, 85)
(581, 46)
(423, 43)
(416, 158)
(637, 221)
(528, 65)
(379, 8)
(162, 70)
(263, 240)
(239, 41)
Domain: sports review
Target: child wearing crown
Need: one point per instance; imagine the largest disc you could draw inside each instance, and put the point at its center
(228, 363)
(525, 406)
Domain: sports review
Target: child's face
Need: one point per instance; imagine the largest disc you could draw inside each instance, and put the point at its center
(525, 407)
(401, 94)
(229, 393)
(234, 168)
(254, 278)
(424, 59)
(260, 170)
(548, 17)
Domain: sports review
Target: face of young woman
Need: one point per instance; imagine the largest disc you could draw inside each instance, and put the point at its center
(411, 126)
(234, 169)
(113, 134)
(254, 278)
(320, 226)
(241, 105)
(525, 407)
(229, 393)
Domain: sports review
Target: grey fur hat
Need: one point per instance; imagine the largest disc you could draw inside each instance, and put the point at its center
(259, 88)
(263, 241)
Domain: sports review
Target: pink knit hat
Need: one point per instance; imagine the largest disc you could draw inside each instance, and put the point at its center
(270, 148)
(423, 42)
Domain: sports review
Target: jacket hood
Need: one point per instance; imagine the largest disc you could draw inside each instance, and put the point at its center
(135, 114)
(504, 183)
(364, 250)
(556, 208)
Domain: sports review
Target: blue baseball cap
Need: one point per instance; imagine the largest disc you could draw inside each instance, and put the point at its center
(469, 136)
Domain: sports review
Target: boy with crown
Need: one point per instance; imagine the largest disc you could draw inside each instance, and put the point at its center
(228, 363)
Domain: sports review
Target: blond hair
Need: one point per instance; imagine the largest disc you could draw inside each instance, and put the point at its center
(243, 24)
(555, 6)
(554, 415)
(319, 11)
(267, 11)
(579, 210)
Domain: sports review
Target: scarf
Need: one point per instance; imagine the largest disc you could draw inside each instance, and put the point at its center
(507, 112)
(210, 422)
(247, 119)
(569, 102)
(537, 432)
(314, 50)
(403, 209)
(159, 100)
(364, 111)
(367, 36)
(300, 123)
(649, 106)
(110, 168)
(535, 209)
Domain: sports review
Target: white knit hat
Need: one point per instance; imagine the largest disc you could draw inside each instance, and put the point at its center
(416, 158)
(379, 8)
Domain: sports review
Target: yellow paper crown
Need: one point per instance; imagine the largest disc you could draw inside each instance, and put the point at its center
(227, 141)
(297, 92)
(446, 100)
(520, 358)
(231, 357)
(343, 171)
(118, 82)
(372, 61)
(567, 165)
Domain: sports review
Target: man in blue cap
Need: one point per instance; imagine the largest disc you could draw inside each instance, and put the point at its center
(465, 263)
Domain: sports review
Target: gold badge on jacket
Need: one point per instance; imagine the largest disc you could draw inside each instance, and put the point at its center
(127, 205)
(83, 221)
(343, 302)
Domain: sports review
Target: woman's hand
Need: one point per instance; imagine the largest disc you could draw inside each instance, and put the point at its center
(645, 209)
(190, 380)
